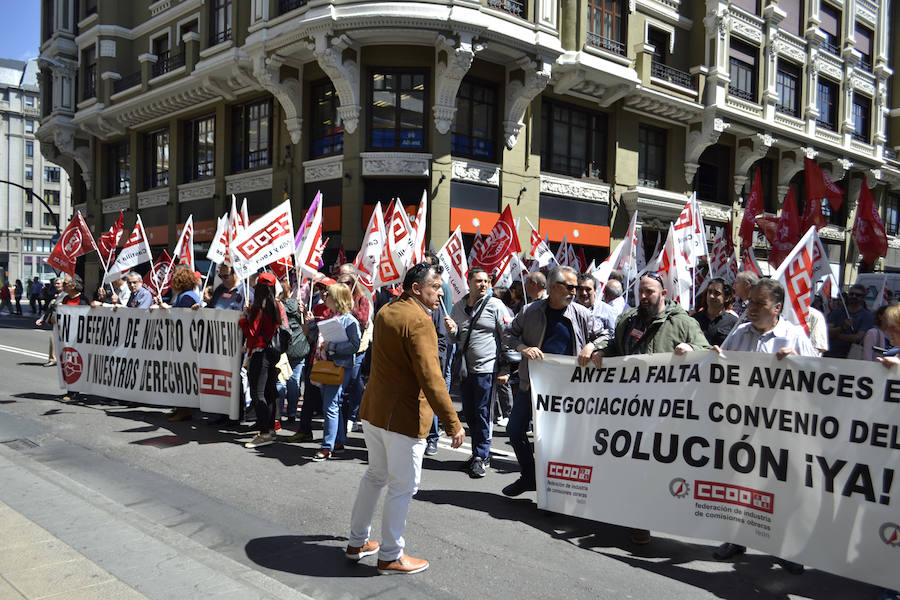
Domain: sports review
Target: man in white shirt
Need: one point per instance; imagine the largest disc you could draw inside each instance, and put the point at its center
(766, 332)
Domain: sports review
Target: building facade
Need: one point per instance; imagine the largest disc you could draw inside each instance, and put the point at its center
(576, 113)
(27, 227)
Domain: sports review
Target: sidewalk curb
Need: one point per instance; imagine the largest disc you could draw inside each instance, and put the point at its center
(242, 574)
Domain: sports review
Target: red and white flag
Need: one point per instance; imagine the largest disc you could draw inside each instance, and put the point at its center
(672, 268)
(236, 226)
(266, 240)
(499, 246)
(366, 261)
(340, 259)
(158, 279)
(562, 253)
(419, 225)
(540, 251)
(689, 231)
(749, 262)
(572, 257)
(107, 242)
(282, 267)
(308, 253)
(477, 244)
(796, 274)
(397, 251)
(718, 258)
(218, 247)
(627, 257)
(135, 251)
(452, 257)
(75, 241)
(868, 230)
(882, 298)
(184, 249)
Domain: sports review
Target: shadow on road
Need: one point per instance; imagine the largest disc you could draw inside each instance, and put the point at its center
(304, 555)
(664, 556)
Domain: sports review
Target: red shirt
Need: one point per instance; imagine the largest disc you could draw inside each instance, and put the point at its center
(261, 329)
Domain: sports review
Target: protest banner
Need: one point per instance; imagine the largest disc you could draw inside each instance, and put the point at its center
(794, 457)
(167, 357)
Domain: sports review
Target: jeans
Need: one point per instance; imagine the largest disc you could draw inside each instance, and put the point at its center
(353, 389)
(261, 377)
(476, 401)
(293, 387)
(517, 428)
(448, 371)
(395, 461)
(335, 426)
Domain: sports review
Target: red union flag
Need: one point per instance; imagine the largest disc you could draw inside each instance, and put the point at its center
(540, 252)
(796, 274)
(749, 263)
(135, 251)
(366, 261)
(689, 231)
(500, 244)
(418, 227)
(75, 241)
(453, 259)
(752, 207)
(282, 267)
(868, 230)
(266, 240)
(398, 248)
(106, 243)
(184, 249)
(158, 279)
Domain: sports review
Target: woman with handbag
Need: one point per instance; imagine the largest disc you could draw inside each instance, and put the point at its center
(260, 324)
(334, 373)
(353, 391)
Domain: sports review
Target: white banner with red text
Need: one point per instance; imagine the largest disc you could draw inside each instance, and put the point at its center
(796, 457)
(166, 357)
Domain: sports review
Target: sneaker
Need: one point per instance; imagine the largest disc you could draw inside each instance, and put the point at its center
(503, 421)
(476, 471)
(321, 455)
(301, 436)
(518, 487)
(404, 565)
(728, 550)
(640, 537)
(466, 466)
(260, 439)
(431, 448)
(277, 425)
(358, 552)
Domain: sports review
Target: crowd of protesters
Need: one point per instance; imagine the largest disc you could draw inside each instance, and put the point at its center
(485, 342)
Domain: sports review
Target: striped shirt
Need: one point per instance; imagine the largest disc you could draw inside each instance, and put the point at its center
(746, 338)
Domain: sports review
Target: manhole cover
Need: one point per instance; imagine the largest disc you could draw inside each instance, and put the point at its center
(20, 444)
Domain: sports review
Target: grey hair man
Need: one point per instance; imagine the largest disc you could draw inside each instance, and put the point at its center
(742, 284)
(614, 295)
(535, 286)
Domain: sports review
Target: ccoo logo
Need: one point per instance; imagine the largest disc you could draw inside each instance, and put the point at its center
(890, 534)
(679, 488)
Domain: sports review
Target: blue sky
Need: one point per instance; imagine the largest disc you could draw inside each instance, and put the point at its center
(20, 28)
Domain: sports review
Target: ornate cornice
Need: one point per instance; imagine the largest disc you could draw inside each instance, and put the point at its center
(475, 172)
(196, 190)
(323, 169)
(653, 203)
(151, 198)
(396, 163)
(700, 137)
(251, 181)
(833, 232)
(711, 211)
(574, 188)
(115, 204)
(519, 95)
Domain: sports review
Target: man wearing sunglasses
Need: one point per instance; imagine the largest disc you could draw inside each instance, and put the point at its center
(848, 326)
(552, 325)
(655, 325)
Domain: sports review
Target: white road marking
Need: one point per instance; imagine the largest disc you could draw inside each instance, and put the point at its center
(24, 352)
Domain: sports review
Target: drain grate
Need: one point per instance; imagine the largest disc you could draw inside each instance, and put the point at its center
(20, 444)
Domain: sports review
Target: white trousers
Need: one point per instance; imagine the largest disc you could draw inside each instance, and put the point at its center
(395, 461)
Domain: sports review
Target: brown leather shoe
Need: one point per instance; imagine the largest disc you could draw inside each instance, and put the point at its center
(405, 565)
(358, 552)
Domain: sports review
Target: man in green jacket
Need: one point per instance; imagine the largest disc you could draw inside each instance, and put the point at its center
(655, 325)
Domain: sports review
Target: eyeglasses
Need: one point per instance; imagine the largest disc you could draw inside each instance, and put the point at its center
(571, 287)
(655, 276)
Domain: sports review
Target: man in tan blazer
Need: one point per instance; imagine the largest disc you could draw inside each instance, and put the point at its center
(406, 388)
